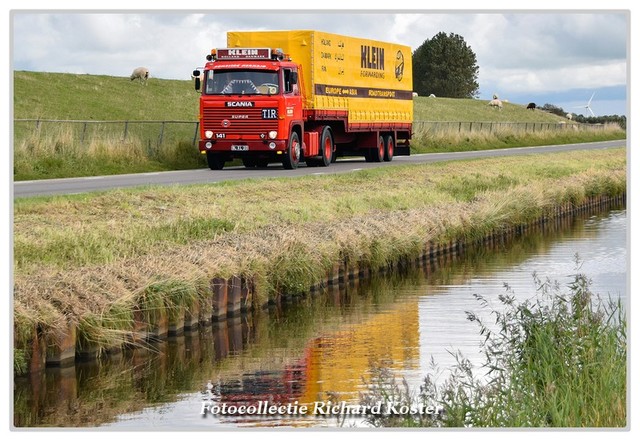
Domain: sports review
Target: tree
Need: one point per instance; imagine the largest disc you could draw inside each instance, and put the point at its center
(446, 67)
(553, 109)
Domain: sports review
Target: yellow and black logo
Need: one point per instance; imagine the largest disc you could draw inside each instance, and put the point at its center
(399, 66)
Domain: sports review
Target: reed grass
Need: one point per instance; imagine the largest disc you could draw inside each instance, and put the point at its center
(450, 139)
(559, 360)
(77, 255)
(60, 154)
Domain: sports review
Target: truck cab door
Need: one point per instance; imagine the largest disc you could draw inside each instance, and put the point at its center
(292, 95)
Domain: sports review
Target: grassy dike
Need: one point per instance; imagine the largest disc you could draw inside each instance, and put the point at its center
(85, 266)
(56, 150)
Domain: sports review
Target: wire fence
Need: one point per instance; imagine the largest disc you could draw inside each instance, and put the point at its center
(151, 133)
(447, 127)
(156, 133)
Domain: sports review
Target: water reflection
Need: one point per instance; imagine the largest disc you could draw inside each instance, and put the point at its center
(321, 346)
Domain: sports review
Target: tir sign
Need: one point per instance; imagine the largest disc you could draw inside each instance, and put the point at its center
(269, 113)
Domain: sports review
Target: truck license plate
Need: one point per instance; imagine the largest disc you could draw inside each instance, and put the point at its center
(239, 148)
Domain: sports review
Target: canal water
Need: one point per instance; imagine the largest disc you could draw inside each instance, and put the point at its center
(323, 347)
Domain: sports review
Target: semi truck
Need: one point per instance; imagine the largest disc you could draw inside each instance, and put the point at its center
(304, 96)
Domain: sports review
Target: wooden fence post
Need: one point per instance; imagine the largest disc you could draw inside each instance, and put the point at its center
(195, 134)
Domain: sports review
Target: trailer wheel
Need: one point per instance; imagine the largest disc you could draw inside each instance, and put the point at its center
(377, 154)
(292, 157)
(215, 161)
(389, 147)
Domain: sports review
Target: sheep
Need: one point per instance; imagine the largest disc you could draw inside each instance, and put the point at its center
(432, 96)
(415, 94)
(531, 106)
(495, 103)
(569, 116)
(495, 96)
(141, 74)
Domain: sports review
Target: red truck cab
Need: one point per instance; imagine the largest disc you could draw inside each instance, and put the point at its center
(251, 108)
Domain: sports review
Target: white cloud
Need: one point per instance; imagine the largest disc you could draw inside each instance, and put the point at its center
(556, 79)
(541, 51)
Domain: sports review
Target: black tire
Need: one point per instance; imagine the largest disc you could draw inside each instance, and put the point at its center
(326, 147)
(291, 158)
(389, 147)
(377, 154)
(249, 162)
(215, 161)
(262, 163)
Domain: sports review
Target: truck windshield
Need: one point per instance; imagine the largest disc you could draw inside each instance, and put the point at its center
(241, 82)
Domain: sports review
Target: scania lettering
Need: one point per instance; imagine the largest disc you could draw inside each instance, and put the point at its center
(295, 97)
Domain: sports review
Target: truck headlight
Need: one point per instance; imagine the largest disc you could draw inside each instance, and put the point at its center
(272, 145)
(208, 134)
(273, 134)
(208, 145)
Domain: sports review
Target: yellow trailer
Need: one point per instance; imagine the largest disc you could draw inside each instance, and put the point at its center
(371, 80)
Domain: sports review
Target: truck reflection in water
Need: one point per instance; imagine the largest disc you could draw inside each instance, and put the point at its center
(334, 364)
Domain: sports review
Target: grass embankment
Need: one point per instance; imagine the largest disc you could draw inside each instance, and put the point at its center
(89, 259)
(557, 361)
(55, 151)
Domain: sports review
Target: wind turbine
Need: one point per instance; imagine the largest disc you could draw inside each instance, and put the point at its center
(588, 105)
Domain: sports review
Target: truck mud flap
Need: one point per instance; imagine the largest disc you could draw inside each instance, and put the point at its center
(402, 150)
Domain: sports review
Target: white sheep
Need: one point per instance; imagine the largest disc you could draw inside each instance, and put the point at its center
(569, 116)
(432, 96)
(495, 103)
(415, 94)
(141, 74)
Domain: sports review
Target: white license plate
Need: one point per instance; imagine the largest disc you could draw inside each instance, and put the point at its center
(239, 148)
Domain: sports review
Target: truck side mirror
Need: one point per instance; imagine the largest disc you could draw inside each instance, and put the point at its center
(196, 77)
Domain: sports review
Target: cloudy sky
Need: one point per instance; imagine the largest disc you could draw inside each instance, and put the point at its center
(557, 57)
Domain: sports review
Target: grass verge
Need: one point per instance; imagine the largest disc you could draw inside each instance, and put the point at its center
(557, 361)
(76, 256)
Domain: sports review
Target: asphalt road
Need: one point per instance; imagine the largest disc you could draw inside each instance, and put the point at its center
(203, 176)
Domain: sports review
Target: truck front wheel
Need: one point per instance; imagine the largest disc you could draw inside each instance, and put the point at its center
(292, 155)
(215, 161)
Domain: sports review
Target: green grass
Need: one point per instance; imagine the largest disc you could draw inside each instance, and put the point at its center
(70, 150)
(559, 360)
(101, 98)
(458, 109)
